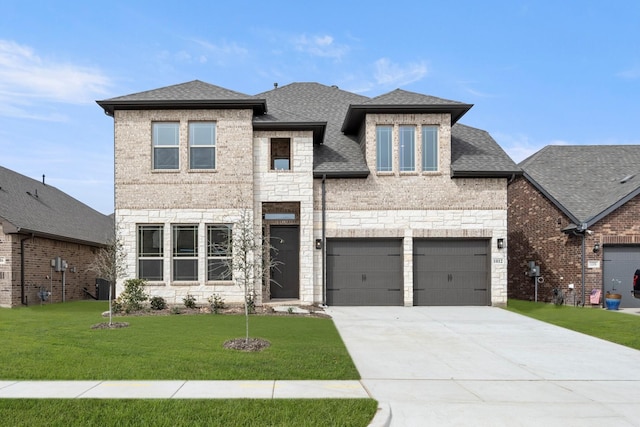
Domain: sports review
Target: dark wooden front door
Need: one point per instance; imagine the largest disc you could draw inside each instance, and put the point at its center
(285, 276)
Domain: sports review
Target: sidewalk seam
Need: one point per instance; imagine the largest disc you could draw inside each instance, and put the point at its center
(88, 390)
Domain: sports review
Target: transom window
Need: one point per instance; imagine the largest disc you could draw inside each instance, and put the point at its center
(407, 151)
(429, 148)
(384, 148)
(219, 252)
(185, 252)
(150, 252)
(202, 145)
(280, 154)
(165, 145)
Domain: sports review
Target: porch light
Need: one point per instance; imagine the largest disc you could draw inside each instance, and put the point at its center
(500, 243)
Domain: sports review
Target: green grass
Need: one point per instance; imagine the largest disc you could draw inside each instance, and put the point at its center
(612, 326)
(87, 412)
(56, 342)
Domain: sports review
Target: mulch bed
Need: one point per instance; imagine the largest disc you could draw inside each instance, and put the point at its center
(242, 344)
(113, 325)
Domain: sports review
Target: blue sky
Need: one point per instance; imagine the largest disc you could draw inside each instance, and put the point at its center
(538, 72)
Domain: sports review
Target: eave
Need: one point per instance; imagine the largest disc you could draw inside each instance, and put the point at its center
(259, 106)
(318, 128)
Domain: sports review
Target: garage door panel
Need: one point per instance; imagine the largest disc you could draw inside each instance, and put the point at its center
(364, 272)
(451, 272)
(620, 263)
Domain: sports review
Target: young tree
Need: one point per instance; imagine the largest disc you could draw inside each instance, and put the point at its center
(249, 262)
(110, 264)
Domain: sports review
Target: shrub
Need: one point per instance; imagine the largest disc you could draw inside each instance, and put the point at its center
(133, 296)
(216, 302)
(189, 301)
(158, 303)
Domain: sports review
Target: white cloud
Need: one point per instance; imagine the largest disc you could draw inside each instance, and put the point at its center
(322, 46)
(219, 52)
(630, 73)
(520, 146)
(390, 74)
(27, 80)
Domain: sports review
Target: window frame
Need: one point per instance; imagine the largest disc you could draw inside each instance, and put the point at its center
(274, 154)
(158, 143)
(433, 165)
(195, 144)
(221, 255)
(178, 257)
(407, 155)
(144, 257)
(387, 164)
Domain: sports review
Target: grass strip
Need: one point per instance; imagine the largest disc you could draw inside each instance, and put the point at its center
(617, 327)
(233, 412)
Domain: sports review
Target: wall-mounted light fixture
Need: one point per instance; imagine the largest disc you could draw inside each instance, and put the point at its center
(596, 248)
(500, 243)
(318, 243)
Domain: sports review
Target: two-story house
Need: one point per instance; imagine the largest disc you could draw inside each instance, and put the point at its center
(373, 201)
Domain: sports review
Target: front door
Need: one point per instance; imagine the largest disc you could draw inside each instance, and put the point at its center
(285, 274)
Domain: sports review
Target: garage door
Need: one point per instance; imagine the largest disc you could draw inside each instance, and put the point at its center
(451, 272)
(619, 264)
(364, 272)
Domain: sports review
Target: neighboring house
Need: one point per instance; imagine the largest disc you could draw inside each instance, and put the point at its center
(47, 241)
(567, 196)
(372, 201)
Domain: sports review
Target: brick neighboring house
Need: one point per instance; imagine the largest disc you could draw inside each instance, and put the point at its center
(568, 195)
(38, 224)
(374, 201)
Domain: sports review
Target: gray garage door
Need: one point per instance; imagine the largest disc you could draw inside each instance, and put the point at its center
(451, 272)
(619, 264)
(364, 272)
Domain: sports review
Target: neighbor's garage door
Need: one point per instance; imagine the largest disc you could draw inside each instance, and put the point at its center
(451, 272)
(619, 264)
(364, 272)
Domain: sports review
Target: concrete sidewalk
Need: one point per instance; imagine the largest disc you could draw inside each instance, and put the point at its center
(182, 390)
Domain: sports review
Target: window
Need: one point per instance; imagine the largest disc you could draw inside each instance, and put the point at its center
(165, 145)
(429, 148)
(185, 252)
(280, 154)
(202, 145)
(407, 150)
(219, 252)
(150, 252)
(384, 144)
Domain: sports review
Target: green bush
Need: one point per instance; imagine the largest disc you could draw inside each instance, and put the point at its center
(216, 302)
(133, 296)
(158, 303)
(189, 301)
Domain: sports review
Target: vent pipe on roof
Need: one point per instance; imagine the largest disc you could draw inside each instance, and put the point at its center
(43, 180)
(275, 85)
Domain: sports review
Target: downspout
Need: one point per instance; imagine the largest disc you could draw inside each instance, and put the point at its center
(23, 299)
(324, 241)
(583, 272)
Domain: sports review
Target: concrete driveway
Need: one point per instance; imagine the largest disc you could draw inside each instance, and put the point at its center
(485, 366)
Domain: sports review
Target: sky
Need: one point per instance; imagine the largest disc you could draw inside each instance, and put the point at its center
(538, 72)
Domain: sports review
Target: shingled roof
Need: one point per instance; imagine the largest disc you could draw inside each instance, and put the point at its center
(30, 207)
(335, 116)
(587, 182)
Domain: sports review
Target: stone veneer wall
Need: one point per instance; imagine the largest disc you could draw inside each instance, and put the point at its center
(38, 272)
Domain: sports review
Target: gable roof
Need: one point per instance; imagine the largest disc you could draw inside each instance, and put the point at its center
(586, 182)
(193, 94)
(30, 207)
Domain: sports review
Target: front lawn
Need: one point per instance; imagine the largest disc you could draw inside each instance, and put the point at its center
(612, 326)
(56, 342)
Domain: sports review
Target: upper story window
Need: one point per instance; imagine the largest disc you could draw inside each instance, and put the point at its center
(185, 252)
(165, 145)
(429, 148)
(407, 149)
(150, 252)
(202, 145)
(384, 148)
(280, 154)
